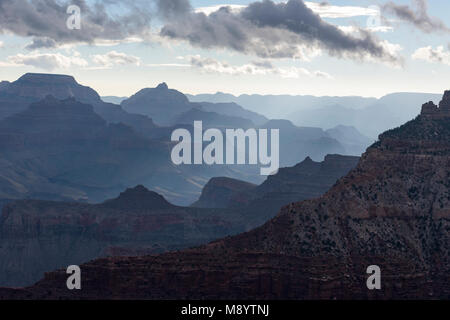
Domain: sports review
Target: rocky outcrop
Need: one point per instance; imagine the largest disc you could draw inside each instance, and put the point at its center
(392, 210)
(431, 110)
(224, 192)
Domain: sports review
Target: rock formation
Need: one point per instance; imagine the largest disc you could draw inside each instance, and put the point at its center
(32, 87)
(38, 236)
(392, 210)
(139, 221)
(224, 192)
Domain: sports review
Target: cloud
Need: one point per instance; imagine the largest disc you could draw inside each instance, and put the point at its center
(165, 65)
(45, 61)
(438, 55)
(173, 8)
(42, 43)
(324, 10)
(354, 29)
(113, 58)
(273, 30)
(235, 8)
(1, 44)
(418, 17)
(209, 65)
(264, 29)
(45, 21)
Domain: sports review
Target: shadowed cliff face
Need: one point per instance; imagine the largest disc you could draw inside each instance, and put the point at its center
(392, 210)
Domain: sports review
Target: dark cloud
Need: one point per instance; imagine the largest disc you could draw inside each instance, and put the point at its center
(263, 29)
(45, 21)
(42, 43)
(418, 17)
(173, 8)
(273, 30)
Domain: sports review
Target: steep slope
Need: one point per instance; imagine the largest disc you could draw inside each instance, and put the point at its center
(392, 210)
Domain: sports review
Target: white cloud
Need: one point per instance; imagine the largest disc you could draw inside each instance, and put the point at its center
(331, 11)
(1, 44)
(438, 55)
(176, 65)
(323, 10)
(354, 29)
(209, 65)
(210, 9)
(394, 50)
(46, 61)
(113, 58)
(112, 43)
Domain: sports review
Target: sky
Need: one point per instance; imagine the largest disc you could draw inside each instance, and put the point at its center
(337, 48)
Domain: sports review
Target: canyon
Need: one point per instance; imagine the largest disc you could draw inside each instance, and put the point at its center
(392, 210)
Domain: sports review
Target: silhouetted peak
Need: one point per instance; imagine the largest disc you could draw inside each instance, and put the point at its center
(431, 110)
(162, 86)
(307, 163)
(139, 198)
(445, 103)
(42, 78)
(4, 84)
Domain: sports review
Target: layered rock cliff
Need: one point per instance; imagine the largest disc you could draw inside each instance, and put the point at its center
(40, 236)
(392, 210)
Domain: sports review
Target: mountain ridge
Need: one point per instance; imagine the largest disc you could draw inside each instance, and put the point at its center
(392, 210)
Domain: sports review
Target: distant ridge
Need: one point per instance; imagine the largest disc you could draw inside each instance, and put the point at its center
(392, 211)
